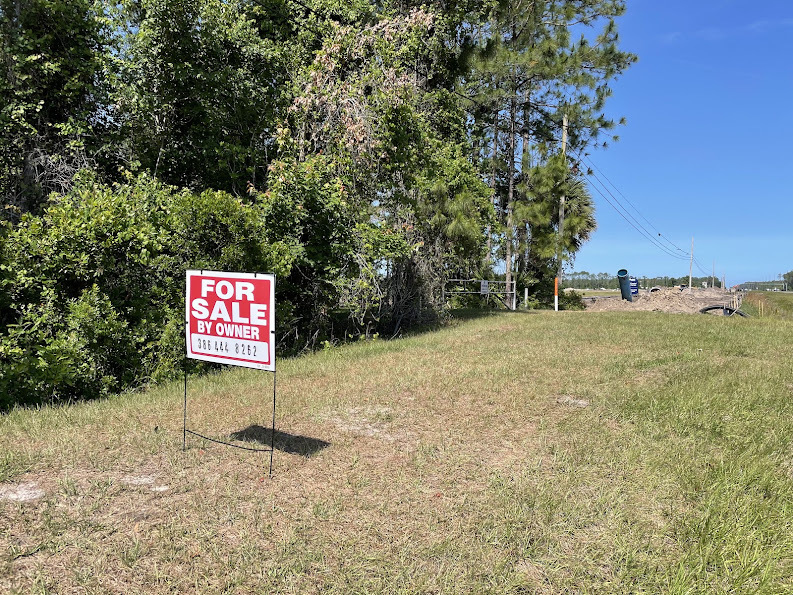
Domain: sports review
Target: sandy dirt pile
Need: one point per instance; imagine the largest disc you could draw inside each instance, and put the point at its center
(666, 300)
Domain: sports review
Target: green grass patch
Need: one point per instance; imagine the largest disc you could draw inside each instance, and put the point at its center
(513, 453)
(773, 304)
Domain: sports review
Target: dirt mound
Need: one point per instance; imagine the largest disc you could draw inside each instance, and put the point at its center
(666, 300)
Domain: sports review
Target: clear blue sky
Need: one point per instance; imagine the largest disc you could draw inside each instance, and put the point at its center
(706, 149)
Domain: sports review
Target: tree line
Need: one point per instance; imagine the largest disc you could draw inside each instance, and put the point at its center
(782, 284)
(363, 151)
(587, 280)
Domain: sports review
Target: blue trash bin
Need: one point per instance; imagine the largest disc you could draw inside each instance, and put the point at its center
(625, 288)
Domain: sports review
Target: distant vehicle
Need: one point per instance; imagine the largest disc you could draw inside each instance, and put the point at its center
(776, 288)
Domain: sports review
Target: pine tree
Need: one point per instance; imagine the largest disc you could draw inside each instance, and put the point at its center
(530, 73)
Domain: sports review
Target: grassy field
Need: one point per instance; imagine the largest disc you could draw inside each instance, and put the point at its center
(769, 304)
(513, 453)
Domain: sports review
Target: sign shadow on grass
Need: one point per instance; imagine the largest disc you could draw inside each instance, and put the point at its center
(285, 442)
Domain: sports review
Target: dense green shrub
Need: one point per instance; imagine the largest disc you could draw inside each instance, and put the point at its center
(61, 351)
(571, 300)
(307, 208)
(93, 290)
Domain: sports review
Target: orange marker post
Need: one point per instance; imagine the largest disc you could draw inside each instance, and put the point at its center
(556, 294)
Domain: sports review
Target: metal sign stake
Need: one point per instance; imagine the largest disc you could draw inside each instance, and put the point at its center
(217, 348)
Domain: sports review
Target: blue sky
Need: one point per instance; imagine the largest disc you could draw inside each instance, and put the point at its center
(706, 149)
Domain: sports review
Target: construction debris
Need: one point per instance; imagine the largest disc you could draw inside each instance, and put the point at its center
(668, 299)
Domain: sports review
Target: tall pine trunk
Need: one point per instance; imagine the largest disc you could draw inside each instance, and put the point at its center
(510, 194)
(525, 168)
(494, 185)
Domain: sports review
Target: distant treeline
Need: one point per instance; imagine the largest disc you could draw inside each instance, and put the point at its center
(764, 285)
(586, 280)
(785, 282)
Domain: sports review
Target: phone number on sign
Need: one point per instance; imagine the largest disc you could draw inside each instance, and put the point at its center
(236, 349)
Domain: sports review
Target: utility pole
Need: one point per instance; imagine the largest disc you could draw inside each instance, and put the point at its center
(560, 250)
(691, 266)
(713, 276)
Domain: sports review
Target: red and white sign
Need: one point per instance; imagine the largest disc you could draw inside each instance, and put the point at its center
(231, 318)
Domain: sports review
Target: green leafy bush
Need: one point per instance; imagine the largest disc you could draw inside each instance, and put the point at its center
(571, 300)
(61, 351)
(306, 211)
(93, 290)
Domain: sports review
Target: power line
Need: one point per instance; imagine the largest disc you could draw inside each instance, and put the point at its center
(683, 254)
(675, 250)
(701, 268)
(646, 233)
(662, 236)
(622, 212)
(644, 230)
(636, 224)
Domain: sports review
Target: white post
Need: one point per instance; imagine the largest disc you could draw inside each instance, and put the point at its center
(556, 294)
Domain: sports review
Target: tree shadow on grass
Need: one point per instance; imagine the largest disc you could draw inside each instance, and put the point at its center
(285, 442)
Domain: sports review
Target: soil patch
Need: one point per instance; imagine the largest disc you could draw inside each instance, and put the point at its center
(22, 492)
(372, 422)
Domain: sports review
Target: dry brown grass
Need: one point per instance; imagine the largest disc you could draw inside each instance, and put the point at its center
(457, 461)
